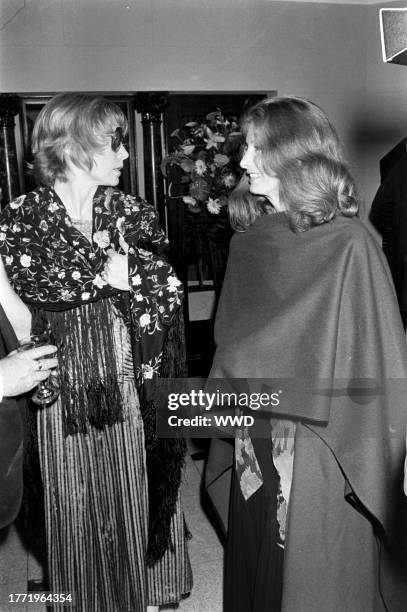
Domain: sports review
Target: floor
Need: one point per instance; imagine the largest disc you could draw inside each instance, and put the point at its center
(17, 567)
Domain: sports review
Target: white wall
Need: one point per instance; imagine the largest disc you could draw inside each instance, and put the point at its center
(307, 49)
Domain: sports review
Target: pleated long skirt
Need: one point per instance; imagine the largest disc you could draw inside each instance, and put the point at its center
(96, 511)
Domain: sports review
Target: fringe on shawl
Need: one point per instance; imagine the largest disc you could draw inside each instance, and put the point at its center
(165, 457)
(90, 389)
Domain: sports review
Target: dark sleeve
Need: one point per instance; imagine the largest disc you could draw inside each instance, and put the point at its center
(11, 439)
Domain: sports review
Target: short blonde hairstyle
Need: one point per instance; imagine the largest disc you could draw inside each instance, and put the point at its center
(72, 127)
(299, 145)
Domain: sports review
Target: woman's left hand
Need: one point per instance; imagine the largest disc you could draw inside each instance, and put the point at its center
(115, 272)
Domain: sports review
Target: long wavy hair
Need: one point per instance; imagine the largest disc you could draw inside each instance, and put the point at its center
(300, 146)
(72, 127)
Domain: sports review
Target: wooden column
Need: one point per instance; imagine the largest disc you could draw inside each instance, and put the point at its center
(9, 178)
(151, 106)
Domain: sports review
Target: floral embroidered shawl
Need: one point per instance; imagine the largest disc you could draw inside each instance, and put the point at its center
(54, 268)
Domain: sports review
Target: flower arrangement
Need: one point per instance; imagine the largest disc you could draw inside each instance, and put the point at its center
(208, 154)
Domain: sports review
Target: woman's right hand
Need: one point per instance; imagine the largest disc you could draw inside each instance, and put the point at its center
(21, 372)
(116, 271)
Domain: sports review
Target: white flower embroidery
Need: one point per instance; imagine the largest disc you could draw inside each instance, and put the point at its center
(145, 320)
(17, 202)
(98, 281)
(2, 236)
(145, 226)
(173, 283)
(44, 225)
(16, 227)
(136, 280)
(65, 294)
(9, 260)
(25, 261)
(53, 207)
(139, 297)
(147, 371)
(76, 275)
(120, 224)
(61, 274)
(102, 239)
(85, 295)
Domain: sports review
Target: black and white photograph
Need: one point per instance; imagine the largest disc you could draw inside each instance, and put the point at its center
(203, 306)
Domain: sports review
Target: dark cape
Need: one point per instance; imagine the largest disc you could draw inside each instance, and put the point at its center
(321, 305)
(11, 439)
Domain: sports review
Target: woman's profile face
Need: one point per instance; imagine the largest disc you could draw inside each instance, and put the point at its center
(108, 165)
(260, 182)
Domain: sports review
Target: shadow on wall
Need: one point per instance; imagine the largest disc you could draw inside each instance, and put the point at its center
(377, 136)
(371, 138)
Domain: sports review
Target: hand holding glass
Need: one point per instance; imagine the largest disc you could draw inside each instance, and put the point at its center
(48, 389)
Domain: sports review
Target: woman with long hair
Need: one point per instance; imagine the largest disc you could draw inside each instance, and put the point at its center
(308, 310)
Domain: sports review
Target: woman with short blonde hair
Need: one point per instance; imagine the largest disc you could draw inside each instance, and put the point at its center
(90, 261)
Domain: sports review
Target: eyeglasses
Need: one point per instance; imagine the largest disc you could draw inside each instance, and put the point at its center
(117, 139)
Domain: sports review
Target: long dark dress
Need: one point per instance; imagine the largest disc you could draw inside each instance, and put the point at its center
(253, 577)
